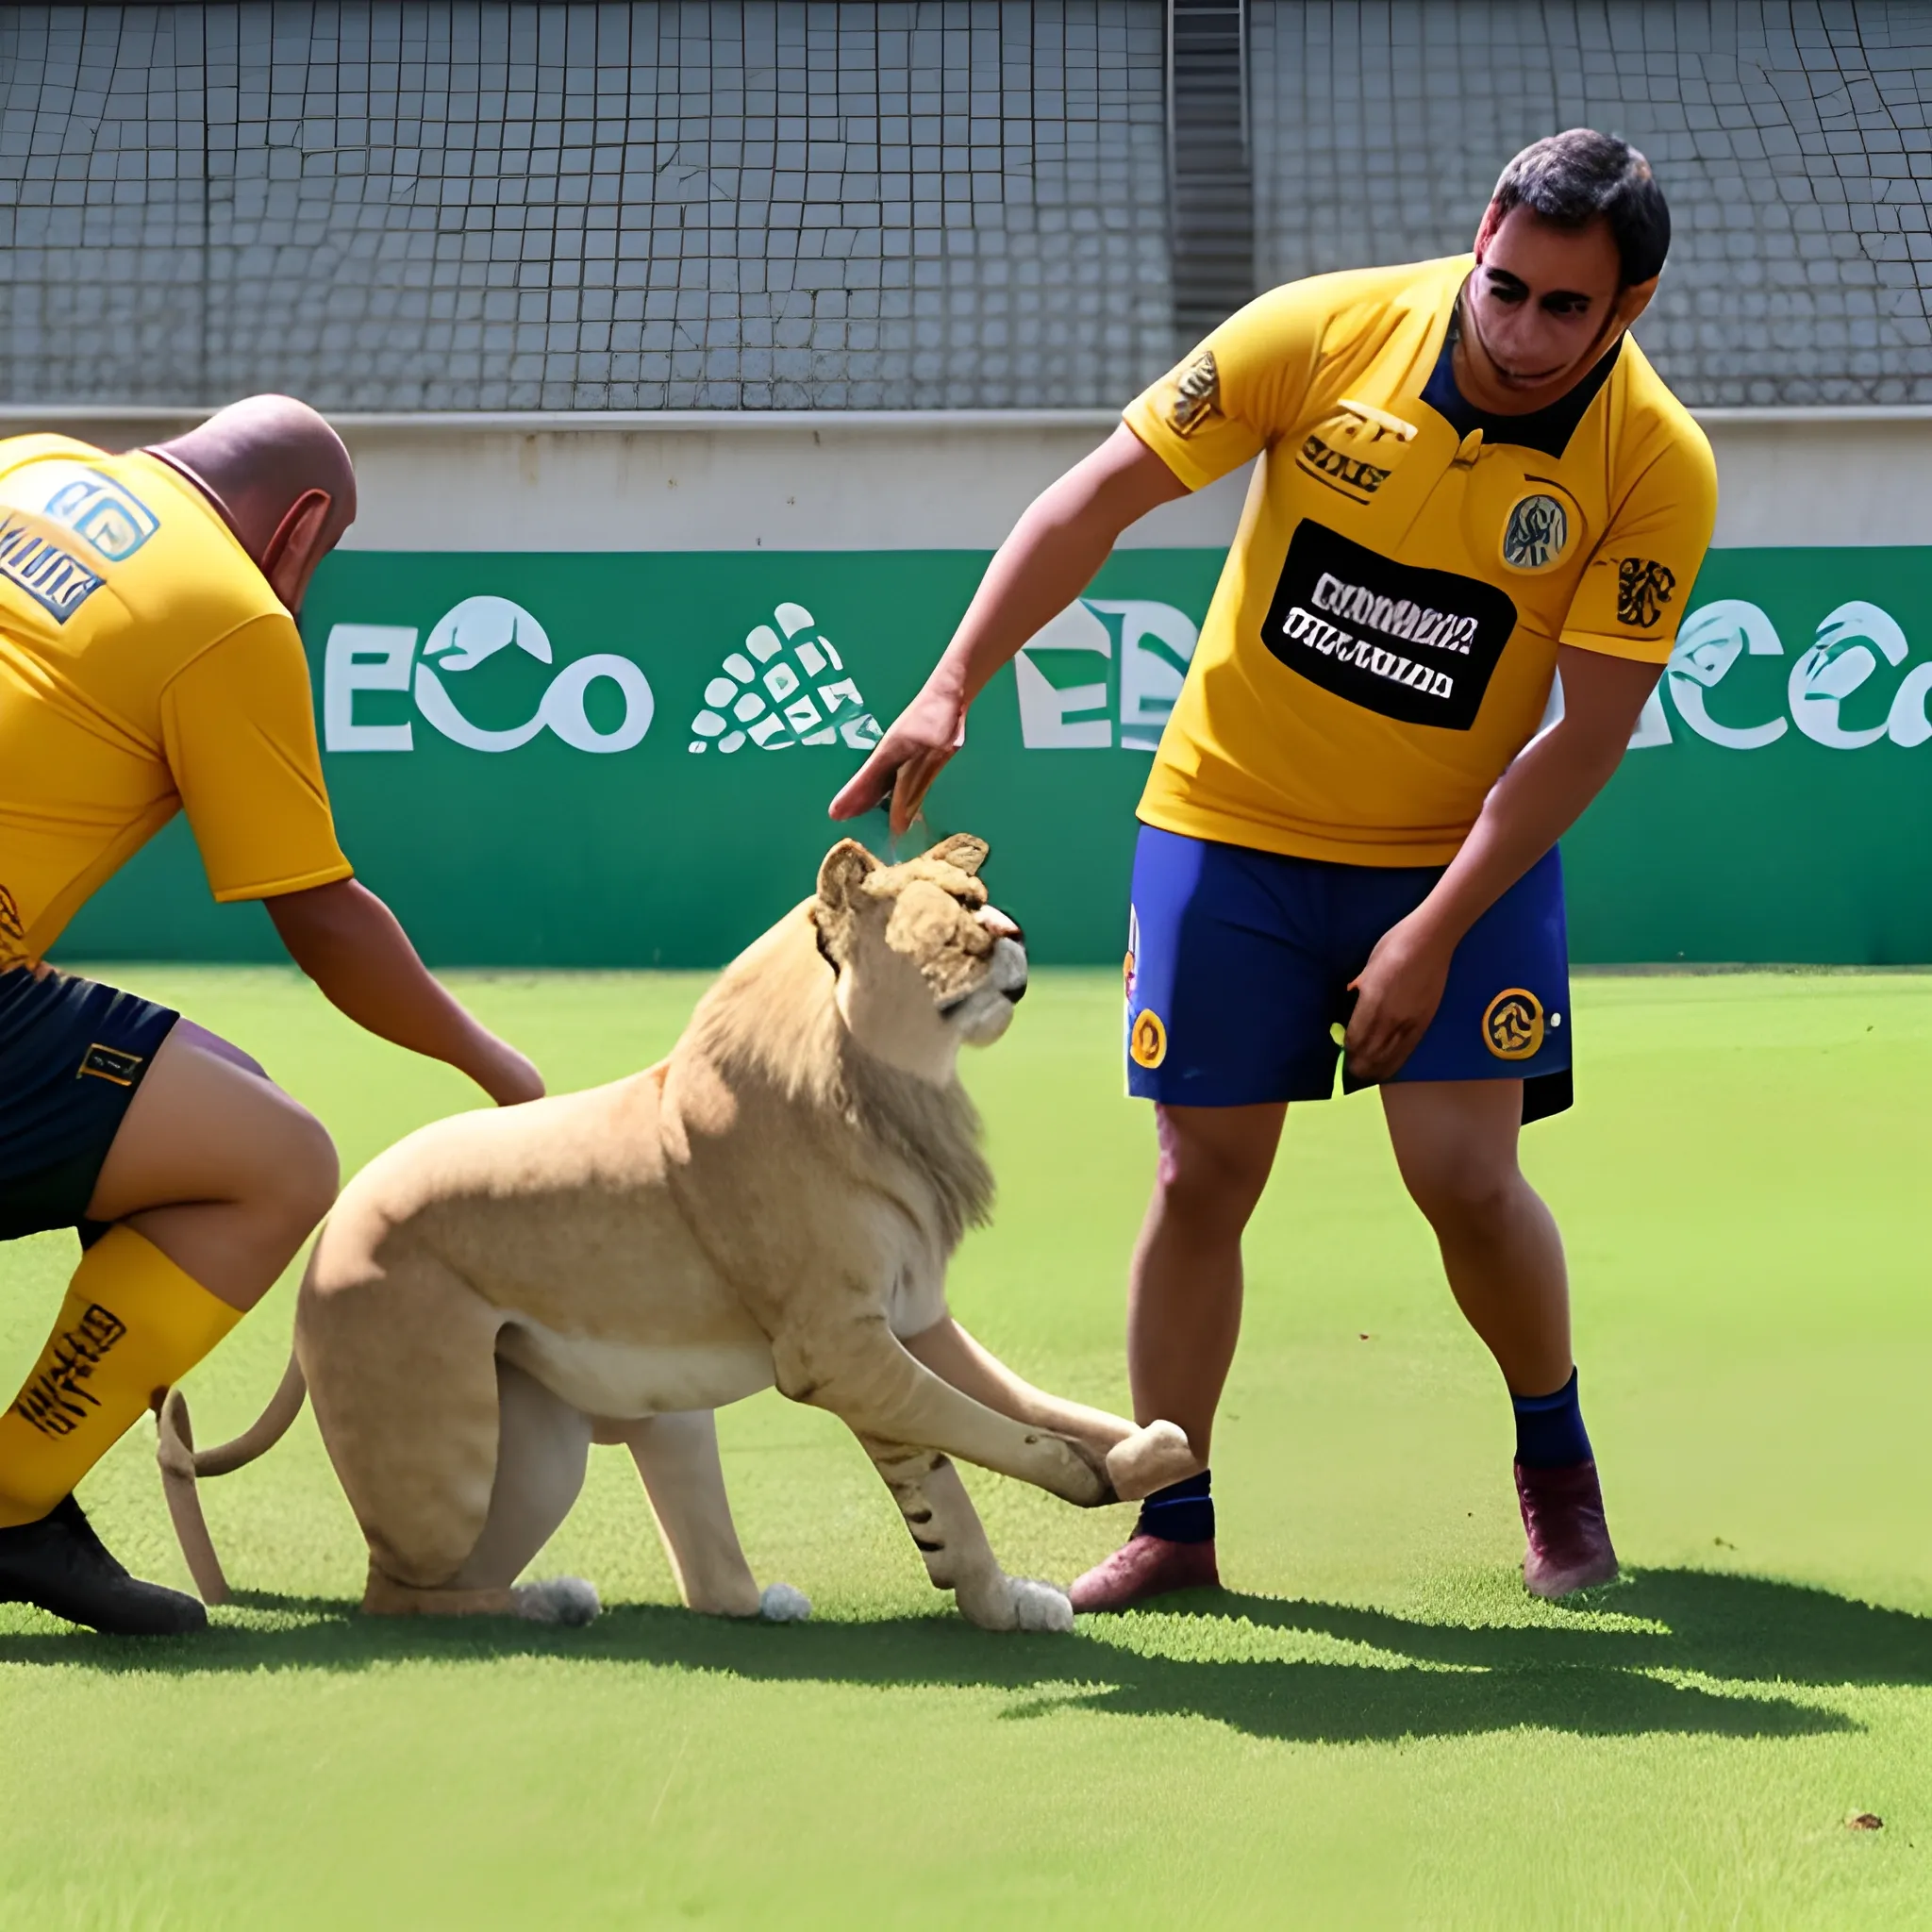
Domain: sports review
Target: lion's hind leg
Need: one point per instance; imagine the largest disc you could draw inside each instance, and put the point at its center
(543, 1446)
(951, 1539)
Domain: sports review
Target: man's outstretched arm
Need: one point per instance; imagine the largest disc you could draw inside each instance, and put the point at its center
(350, 943)
(1056, 547)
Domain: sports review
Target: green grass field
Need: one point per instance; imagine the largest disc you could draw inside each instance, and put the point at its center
(1372, 1727)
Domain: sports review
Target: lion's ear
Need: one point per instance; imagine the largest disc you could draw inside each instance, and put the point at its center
(961, 851)
(846, 867)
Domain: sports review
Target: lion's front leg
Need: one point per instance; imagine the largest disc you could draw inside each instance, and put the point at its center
(677, 1455)
(950, 1537)
(1138, 1461)
(859, 1371)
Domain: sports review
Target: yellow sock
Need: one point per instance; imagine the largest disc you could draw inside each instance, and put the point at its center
(132, 1324)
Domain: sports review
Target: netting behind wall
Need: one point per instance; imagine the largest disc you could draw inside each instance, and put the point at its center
(956, 203)
(1791, 140)
(585, 206)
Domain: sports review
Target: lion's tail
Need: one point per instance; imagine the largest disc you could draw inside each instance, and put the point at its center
(182, 1463)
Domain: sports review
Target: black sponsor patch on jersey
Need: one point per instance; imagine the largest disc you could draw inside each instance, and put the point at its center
(1418, 645)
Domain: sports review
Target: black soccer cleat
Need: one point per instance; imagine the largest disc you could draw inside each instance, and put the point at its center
(60, 1564)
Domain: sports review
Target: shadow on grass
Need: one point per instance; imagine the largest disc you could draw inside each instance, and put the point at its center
(1748, 1629)
(1424, 1680)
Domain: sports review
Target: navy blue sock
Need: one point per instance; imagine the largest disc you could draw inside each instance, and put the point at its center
(1181, 1513)
(1549, 1428)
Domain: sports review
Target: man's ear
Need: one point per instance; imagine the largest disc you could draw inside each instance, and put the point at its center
(299, 544)
(1633, 301)
(846, 868)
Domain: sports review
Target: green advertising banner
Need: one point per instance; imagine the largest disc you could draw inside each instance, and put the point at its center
(625, 760)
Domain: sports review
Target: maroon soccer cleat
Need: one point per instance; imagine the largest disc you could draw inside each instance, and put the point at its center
(1563, 1518)
(1143, 1567)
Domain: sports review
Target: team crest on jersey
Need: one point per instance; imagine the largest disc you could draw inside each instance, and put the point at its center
(1513, 1025)
(1538, 534)
(59, 583)
(1196, 395)
(1147, 1040)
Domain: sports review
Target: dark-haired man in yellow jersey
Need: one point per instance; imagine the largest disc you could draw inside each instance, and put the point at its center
(149, 664)
(1471, 480)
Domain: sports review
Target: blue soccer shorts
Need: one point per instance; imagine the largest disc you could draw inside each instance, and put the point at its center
(72, 1053)
(1238, 964)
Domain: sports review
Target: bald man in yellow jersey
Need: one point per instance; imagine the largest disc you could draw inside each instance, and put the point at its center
(149, 664)
(1470, 482)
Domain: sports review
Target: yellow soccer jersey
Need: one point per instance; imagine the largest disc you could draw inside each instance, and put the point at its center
(1383, 637)
(145, 666)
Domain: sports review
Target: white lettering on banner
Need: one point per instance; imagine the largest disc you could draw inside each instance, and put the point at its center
(1844, 656)
(377, 658)
(1710, 640)
(563, 704)
(1153, 644)
(1838, 661)
(364, 656)
(440, 709)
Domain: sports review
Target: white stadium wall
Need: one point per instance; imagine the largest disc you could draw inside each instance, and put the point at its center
(710, 480)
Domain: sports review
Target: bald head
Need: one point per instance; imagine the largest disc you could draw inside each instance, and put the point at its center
(280, 477)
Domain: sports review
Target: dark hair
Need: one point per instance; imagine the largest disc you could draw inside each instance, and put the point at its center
(1574, 178)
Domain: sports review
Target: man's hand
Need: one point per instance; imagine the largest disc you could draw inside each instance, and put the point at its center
(348, 941)
(909, 757)
(1397, 996)
(1529, 807)
(1049, 557)
(502, 1073)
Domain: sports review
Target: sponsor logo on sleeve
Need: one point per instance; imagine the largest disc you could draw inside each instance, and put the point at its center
(59, 583)
(1643, 588)
(1196, 395)
(1413, 645)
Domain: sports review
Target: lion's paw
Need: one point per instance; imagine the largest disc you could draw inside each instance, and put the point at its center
(1038, 1605)
(778, 1603)
(1149, 1459)
(567, 1600)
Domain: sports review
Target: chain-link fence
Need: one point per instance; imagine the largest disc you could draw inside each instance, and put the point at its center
(755, 206)
(1791, 139)
(585, 206)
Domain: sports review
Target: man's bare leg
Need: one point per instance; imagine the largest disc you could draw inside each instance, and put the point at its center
(217, 1167)
(1455, 1141)
(1184, 1315)
(213, 1180)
